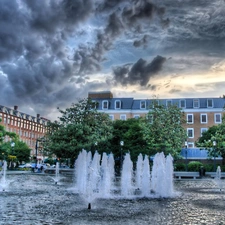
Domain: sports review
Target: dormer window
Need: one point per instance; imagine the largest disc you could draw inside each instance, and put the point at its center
(182, 103)
(209, 103)
(117, 104)
(196, 103)
(105, 104)
(143, 105)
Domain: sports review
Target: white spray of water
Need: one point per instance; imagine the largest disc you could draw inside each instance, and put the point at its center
(97, 180)
(127, 187)
(3, 182)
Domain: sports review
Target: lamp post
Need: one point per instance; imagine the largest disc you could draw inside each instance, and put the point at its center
(214, 156)
(96, 144)
(186, 144)
(3, 156)
(121, 153)
(12, 146)
(36, 152)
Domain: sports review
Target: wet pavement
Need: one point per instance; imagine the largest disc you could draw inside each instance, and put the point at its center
(35, 199)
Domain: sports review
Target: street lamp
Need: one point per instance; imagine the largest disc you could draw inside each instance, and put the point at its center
(3, 156)
(121, 153)
(12, 145)
(186, 144)
(214, 155)
(96, 144)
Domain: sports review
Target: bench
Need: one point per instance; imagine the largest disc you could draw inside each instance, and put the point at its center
(213, 174)
(61, 171)
(183, 174)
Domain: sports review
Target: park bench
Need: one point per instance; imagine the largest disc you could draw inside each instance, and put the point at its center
(61, 171)
(213, 174)
(184, 174)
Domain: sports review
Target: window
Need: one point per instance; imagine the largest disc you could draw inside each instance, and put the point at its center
(190, 118)
(196, 103)
(117, 104)
(190, 132)
(182, 103)
(204, 118)
(136, 116)
(209, 103)
(217, 117)
(204, 129)
(143, 104)
(5, 121)
(105, 104)
(123, 117)
(191, 145)
(111, 117)
(168, 103)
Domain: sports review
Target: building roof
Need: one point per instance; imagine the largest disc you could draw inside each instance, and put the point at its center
(22, 115)
(131, 103)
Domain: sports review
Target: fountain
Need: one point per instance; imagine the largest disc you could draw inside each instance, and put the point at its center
(33, 198)
(95, 178)
(218, 178)
(56, 179)
(3, 182)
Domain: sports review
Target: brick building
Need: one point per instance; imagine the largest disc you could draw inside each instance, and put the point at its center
(28, 128)
(200, 113)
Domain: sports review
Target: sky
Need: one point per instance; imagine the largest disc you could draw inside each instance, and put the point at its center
(53, 52)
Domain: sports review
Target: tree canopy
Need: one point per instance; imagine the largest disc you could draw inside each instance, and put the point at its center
(20, 152)
(214, 140)
(79, 127)
(82, 127)
(164, 131)
(131, 133)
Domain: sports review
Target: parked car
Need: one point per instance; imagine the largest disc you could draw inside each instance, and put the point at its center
(61, 167)
(26, 165)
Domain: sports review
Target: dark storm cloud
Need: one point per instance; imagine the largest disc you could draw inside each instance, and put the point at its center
(37, 63)
(126, 17)
(138, 73)
(141, 42)
(33, 52)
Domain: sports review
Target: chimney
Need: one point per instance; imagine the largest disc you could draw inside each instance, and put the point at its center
(38, 116)
(15, 107)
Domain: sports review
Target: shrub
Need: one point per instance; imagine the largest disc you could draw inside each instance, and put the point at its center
(208, 167)
(222, 168)
(179, 167)
(194, 166)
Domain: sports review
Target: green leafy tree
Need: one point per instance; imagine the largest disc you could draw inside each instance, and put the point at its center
(20, 152)
(79, 127)
(215, 134)
(5, 147)
(164, 131)
(131, 133)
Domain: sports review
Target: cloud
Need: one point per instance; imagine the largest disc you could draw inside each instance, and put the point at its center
(139, 73)
(52, 50)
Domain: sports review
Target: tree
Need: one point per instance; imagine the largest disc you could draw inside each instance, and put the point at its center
(163, 128)
(131, 133)
(21, 151)
(5, 147)
(80, 127)
(214, 134)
